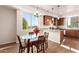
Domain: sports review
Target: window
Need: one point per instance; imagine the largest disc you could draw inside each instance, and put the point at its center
(29, 21)
(24, 24)
(73, 22)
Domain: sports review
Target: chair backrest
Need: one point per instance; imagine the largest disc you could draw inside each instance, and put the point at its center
(19, 40)
(31, 33)
(46, 34)
(41, 39)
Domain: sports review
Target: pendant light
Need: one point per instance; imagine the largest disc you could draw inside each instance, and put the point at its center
(58, 7)
(37, 14)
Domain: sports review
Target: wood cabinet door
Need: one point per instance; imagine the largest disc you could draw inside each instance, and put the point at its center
(77, 33)
(47, 20)
(72, 33)
(61, 21)
(58, 22)
(55, 21)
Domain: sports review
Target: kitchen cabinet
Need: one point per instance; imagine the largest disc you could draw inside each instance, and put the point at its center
(47, 20)
(58, 22)
(55, 21)
(72, 33)
(61, 21)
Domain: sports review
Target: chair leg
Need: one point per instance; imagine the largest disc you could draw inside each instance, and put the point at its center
(43, 48)
(19, 50)
(28, 46)
(23, 50)
(32, 49)
(37, 49)
(46, 45)
(28, 49)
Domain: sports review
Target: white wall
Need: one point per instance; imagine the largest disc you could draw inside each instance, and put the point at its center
(7, 25)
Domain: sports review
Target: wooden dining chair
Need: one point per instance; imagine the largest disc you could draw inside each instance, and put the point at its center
(40, 44)
(31, 33)
(46, 39)
(23, 47)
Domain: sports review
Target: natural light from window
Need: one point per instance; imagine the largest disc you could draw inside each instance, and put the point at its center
(30, 20)
(73, 22)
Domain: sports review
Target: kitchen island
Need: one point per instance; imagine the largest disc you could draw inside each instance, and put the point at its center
(56, 35)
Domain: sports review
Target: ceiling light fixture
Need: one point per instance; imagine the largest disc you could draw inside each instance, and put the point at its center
(52, 13)
(37, 14)
(58, 7)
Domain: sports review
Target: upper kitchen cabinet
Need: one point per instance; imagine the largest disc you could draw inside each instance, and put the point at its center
(61, 22)
(55, 21)
(58, 22)
(47, 20)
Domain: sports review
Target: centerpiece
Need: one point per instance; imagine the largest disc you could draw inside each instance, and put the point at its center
(36, 30)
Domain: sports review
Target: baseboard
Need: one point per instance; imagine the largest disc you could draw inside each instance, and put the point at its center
(8, 44)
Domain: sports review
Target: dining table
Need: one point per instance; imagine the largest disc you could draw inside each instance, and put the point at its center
(33, 39)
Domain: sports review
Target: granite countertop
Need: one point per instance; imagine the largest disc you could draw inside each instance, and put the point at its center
(57, 30)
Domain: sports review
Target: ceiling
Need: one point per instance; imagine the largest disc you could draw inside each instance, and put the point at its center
(61, 10)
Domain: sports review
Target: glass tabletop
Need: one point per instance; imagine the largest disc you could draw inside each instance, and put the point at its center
(31, 37)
